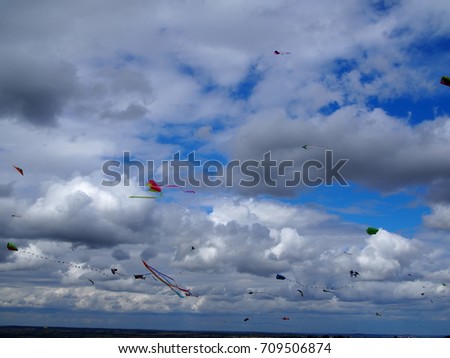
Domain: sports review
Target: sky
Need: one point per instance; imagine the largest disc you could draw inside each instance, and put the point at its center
(96, 98)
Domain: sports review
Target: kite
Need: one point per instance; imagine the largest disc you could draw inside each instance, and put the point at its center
(246, 319)
(156, 275)
(19, 170)
(168, 281)
(276, 52)
(11, 246)
(445, 80)
(15, 216)
(354, 273)
(436, 292)
(371, 230)
(261, 293)
(114, 272)
(285, 318)
(323, 288)
(154, 187)
(306, 146)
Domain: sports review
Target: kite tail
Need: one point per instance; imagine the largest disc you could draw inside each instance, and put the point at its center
(179, 187)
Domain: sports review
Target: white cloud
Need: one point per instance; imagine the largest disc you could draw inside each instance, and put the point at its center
(163, 82)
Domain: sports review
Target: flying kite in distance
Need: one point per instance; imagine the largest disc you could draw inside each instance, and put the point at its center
(11, 246)
(276, 52)
(260, 293)
(285, 318)
(354, 273)
(307, 146)
(313, 287)
(371, 230)
(139, 277)
(114, 272)
(445, 80)
(91, 281)
(154, 187)
(19, 170)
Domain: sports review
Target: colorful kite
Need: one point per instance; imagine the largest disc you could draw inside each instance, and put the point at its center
(168, 281)
(154, 187)
(445, 80)
(19, 170)
(13, 247)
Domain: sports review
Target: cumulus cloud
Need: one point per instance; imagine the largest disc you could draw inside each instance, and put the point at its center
(84, 84)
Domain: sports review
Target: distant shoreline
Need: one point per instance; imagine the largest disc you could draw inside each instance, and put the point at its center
(74, 332)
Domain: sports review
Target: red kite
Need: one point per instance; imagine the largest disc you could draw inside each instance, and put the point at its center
(18, 169)
(153, 186)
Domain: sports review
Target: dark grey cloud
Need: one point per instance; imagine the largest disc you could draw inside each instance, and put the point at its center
(35, 89)
(120, 254)
(439, 192)
(149, 252)
(381, 152)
